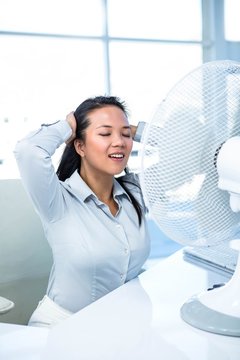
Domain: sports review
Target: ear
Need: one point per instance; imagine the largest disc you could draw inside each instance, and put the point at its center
(79, 147)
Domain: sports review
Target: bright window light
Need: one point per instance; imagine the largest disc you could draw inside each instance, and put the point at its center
(75, 17)
(44, 77)
(171, 19)
(143, 73)
(42, 80)
(232, 23)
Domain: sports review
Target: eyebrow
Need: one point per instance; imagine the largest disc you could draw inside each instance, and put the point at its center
(109, 126)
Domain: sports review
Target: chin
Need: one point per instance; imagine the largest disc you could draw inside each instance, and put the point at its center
(119, 172)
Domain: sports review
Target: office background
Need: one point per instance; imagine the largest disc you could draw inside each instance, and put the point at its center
(55, 53)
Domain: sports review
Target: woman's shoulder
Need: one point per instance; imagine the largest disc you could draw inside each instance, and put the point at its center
(130, 178)
(131, 181)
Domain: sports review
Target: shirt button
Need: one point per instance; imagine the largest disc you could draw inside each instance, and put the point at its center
(126, 251)
(118, 226)
(121, 276)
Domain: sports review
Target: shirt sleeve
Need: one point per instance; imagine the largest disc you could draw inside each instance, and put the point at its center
(33, 155)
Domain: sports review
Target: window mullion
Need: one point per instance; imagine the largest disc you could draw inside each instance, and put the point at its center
(106, 47)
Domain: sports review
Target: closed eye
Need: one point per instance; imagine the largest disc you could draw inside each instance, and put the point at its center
(108, 134)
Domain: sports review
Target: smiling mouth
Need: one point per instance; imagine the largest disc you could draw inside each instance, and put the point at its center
(116, 156)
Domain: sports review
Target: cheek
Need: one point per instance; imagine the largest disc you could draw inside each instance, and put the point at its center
(96, 147)
(128, 149)
(130, 145)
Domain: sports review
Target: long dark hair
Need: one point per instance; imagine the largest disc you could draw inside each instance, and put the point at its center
(71, 161)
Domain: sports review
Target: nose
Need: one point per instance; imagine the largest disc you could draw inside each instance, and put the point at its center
(118, 141)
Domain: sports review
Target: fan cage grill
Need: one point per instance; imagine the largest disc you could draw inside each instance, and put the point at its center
(179, 149)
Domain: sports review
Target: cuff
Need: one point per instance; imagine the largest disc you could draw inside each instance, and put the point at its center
(139, 131)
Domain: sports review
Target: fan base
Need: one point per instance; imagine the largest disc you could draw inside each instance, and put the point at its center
(200, 316)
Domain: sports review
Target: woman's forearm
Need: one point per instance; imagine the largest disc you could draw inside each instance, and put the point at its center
(33, 156)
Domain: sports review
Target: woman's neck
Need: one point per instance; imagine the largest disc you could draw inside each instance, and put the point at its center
(102, 186)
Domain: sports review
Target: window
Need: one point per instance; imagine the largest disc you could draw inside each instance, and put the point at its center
(155, 19)
(232, 25)
(143, 72)
(43, 79)
(69, 17)
(56, 53)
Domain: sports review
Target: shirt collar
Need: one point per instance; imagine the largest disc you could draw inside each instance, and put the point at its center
(79, 187)
(118, 190)
(82, 190)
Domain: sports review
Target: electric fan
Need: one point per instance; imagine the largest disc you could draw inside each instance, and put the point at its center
(180, 153)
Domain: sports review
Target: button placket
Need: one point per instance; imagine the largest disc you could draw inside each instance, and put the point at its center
(125, 250)
(122, 278)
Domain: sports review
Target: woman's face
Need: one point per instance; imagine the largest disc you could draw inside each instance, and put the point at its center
(108, 142)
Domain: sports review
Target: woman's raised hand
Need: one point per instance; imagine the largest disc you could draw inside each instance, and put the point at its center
(70, 118)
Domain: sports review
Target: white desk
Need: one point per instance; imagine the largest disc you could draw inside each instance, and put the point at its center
(140, 320)
(19, 342)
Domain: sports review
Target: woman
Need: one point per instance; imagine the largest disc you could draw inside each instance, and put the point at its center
(94, 221)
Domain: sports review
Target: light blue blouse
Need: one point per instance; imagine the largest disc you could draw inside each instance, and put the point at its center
(94, 252)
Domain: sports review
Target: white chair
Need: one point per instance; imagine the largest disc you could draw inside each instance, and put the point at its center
(25, 256)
